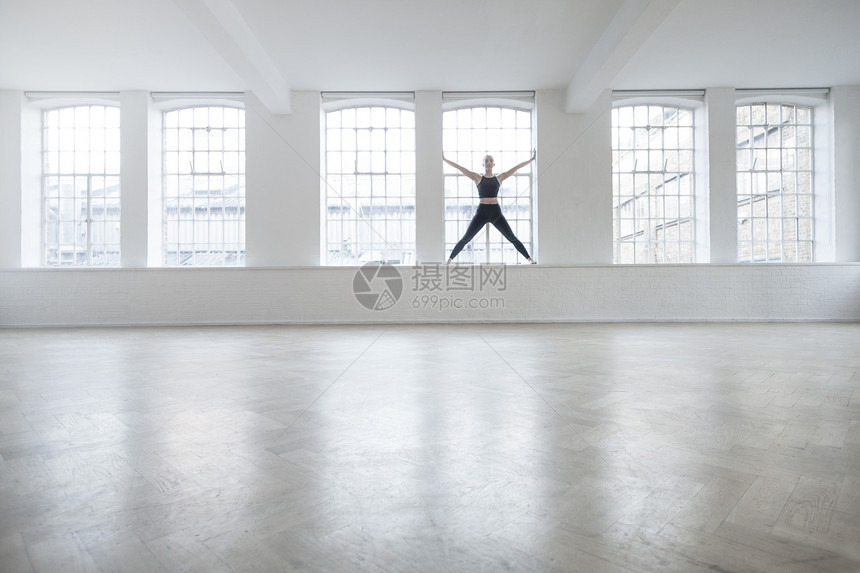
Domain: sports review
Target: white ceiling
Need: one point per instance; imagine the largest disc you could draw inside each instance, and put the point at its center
(274, 46)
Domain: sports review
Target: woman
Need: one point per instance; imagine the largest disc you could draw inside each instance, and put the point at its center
(488, 209)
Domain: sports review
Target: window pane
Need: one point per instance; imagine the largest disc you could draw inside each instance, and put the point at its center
(81, 147)
(653, 201)
(365, 209)
(203, 188)
(774, 183)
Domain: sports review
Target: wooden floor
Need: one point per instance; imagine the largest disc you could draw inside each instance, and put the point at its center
(595, 448)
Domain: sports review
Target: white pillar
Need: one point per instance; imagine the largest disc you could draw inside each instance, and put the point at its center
(845, 102)
(429, 181)
(721, 113)
(573, 181)
(10, 178)
(282, 183)
(134, 169)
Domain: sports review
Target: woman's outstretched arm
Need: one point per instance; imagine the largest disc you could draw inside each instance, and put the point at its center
(501, 177)
(470, 174)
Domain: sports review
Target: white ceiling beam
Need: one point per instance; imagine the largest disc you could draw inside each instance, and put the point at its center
(222, 24)
(631, 26)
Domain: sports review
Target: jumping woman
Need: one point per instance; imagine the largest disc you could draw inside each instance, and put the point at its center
(488, 208)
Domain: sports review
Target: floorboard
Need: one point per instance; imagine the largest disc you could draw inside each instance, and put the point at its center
(617, 448)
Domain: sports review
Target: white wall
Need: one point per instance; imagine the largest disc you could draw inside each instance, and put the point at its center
(543, 293)
(282, 183)
(575, 280)
(429, 180)
(721, 114)
(574, 192)
(845, 108)
(134, 167)
(10, 178)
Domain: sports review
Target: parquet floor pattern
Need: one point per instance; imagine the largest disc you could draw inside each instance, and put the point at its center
(618, 448)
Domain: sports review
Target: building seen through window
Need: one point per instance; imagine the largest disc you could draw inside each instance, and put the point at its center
(81, 186)
(653, 199)
(369, 186)
(774, 183)
(203, 201)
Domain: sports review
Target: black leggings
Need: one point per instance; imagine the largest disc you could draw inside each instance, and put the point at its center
(491, 213)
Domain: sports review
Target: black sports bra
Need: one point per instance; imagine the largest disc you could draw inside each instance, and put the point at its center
(488, 187)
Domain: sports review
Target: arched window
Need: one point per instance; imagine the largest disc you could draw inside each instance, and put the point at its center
(653, 194)
(203, 201)
(81, 186)
(775, 174)
(369, 186)
(469, 134)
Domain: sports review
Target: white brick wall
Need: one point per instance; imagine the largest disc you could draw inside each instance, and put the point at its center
(37, 297)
